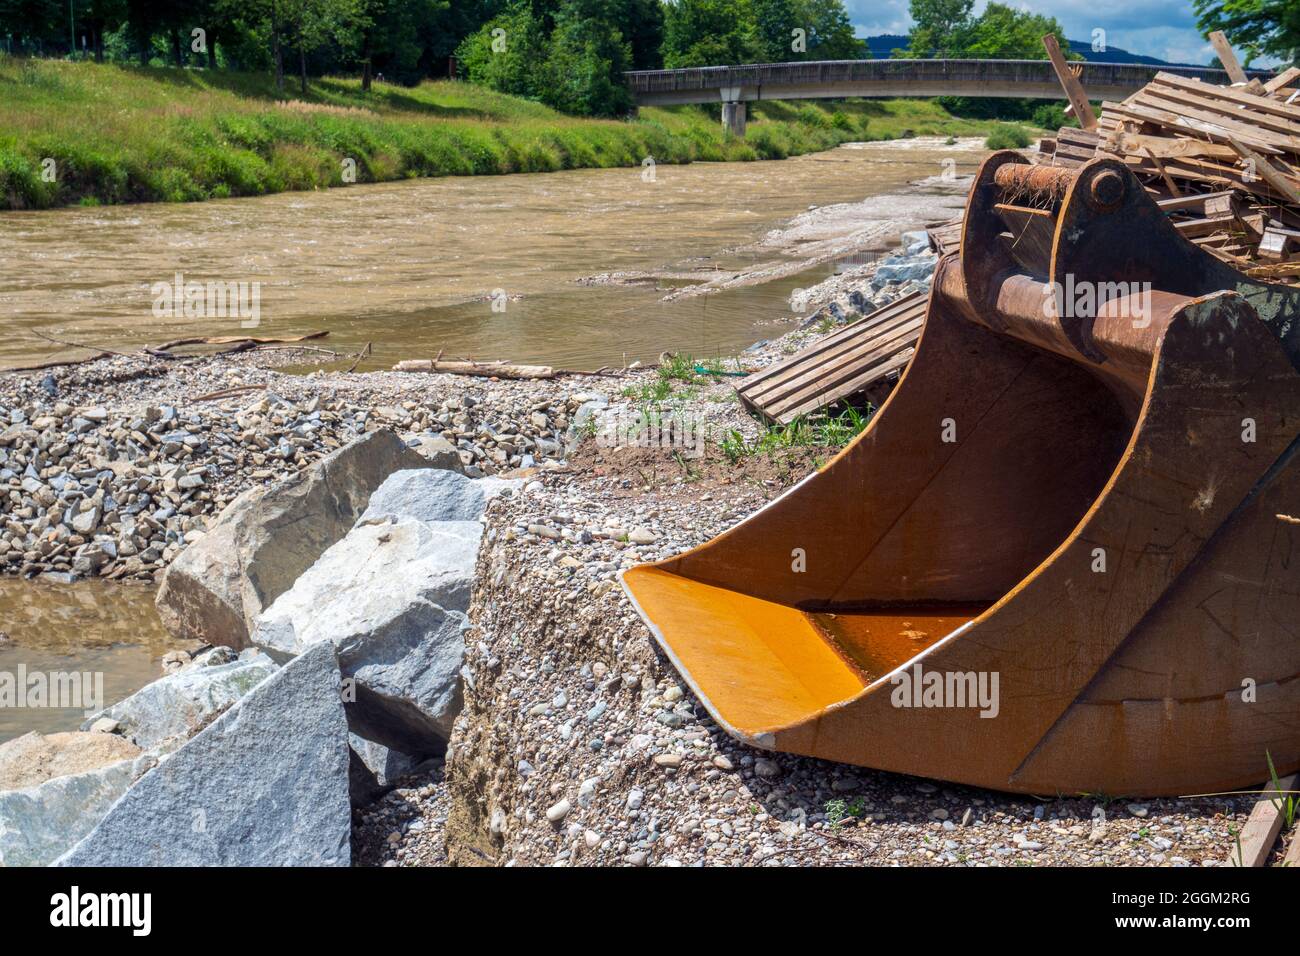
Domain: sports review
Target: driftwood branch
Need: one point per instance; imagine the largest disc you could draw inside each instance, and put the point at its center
(81, 345)
(228, 392)
(43, 366)
(238, 343)
(365, 351)
(238, 339)
(480, 369)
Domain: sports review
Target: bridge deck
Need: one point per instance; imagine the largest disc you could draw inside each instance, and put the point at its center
(835, 78)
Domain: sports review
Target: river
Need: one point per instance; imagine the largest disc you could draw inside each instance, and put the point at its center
(485, 267)
(417, 267)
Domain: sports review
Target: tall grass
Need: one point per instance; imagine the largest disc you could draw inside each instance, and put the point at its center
(87, 133)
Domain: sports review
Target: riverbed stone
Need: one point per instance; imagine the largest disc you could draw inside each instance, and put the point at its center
(163, 714)
(385, 764)
(391, 597)
(440, 452)
(898, 269)
(267, 537)
(265, 785)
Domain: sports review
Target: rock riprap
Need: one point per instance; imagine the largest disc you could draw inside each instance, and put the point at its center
(33, 758)
(392, 596)
(265, 785)
(267, 537)
(118, 489)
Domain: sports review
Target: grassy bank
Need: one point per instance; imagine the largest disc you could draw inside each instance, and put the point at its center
(120, 134)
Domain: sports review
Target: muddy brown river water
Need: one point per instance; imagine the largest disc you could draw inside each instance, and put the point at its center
(482, 267)
(485, 267)
(92, 637)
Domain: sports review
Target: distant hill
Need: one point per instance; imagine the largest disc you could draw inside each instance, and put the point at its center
(883, 45)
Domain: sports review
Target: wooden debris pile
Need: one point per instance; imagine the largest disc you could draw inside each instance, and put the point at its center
(1225, 163)
(1222, 161)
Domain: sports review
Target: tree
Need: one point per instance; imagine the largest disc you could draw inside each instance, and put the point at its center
(940, 26)
(505, 52)
(775, 23)
(586, 59)
(314, 23)
(1003, 33)
(99, 16)
(946, 28)
(1257, 27)
(577, 66)
(830, 34)
(643, 28)
(709, 33)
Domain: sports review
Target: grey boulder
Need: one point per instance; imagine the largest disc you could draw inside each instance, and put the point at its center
(33, 758)
(39, 823)
(391, 597)
(163, 714)
(431, 495)
(266, 784)
(267, 537)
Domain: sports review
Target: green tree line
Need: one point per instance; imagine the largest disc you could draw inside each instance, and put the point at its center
(568, 54)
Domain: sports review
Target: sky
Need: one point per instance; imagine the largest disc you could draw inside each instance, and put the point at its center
(1163, 28)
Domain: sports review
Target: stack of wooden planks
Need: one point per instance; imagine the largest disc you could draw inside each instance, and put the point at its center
(848, 362)
(1223, 161)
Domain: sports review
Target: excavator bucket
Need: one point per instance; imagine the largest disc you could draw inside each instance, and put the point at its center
(1064, 557)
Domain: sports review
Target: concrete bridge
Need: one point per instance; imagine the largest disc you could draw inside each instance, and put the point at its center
(734, 86)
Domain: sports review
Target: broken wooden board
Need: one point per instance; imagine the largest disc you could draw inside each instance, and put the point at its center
(1263, 826)
(946, 237)
(1069, 80)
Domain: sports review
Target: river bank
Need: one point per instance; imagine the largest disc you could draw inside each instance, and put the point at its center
(90, 134)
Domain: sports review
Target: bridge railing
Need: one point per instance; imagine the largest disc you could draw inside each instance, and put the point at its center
(1100, 75)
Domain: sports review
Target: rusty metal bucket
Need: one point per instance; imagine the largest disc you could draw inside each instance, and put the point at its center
(1064, 556)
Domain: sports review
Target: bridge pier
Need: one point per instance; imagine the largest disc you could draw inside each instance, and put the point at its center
(733, 118)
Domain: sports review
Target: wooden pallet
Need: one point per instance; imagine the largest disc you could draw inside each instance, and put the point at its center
(946, 237)
(839, 366)
(1184, 138)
